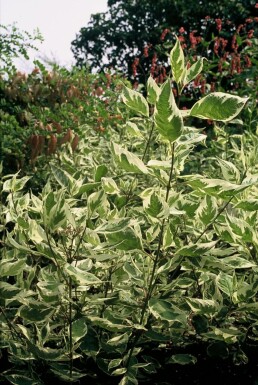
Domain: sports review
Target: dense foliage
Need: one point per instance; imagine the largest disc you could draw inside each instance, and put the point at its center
(42, 111)
(140, 242)
(129, 28)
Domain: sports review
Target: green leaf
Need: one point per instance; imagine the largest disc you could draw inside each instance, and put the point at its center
(50, 291)
(167, 116)
(135, 101)
(125, 240)
(63, 371)
(203, 306)
(132, 271)
(245, 293)
(164, 310)
(240, 228)
(236, 262)
(54, 215)
(168, 238)
(132, 130)
(182, 359)
(50, 252)
(128, 380)
(62, 177)
(119, 340)
(15, 184)
(8, 291)
(18, 379)
(79, 329)
(200, 323)
(119, 372)
(114, 363)
(155, 206)
(113, 226)
(101, 171)
(247, 205)
(36, 232)
(23, 223)
(44, 353)
(86, 188)
(215, 187)
(207, 210)
(229, 171)
(16, 245)
(36, 312)
(195, 250)
(218, 349)
(81, 277)
(218, 106)
(153, 90)
(159, 164)
(177, 61)
(127, 160)
(155, 336)
(95, 200)
(191, 137)
(90, 345)
(11, 267)
(109, 186)
(225, 283)
(193, 71)
(109, 325)
(230, 335)
(92, 237)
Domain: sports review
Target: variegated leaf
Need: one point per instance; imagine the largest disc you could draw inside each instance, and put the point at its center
(153, 90)
(127, 160)
(214, 187)
(193, 71)
(207, 210)
(135, 101)
(177, 61)
(229, 171)
(218, 106)
(167, 116)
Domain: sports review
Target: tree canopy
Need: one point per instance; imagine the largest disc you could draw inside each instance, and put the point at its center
(116, 37)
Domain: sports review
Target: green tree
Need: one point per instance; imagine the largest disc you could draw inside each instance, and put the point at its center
(15, 43)
(116, 37)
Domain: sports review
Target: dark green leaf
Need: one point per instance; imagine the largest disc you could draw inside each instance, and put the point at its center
(182, 359)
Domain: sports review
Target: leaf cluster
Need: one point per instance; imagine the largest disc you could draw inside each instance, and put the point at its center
(126, 250)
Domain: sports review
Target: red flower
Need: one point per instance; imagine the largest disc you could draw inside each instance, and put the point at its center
(250, 33)
(193, 39)
(164, 33)
(248, 61)
(219, 24)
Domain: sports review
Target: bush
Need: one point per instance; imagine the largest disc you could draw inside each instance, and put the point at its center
(123, 257)
(48, 109)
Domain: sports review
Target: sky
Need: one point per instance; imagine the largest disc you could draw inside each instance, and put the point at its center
(58, 21)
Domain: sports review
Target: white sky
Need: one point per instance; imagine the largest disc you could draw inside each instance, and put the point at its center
(57, 20)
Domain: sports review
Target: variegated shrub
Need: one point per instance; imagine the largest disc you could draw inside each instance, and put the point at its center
(124, 252)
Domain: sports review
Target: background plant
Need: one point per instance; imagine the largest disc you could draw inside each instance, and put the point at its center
(44, 110)
(112, 36)
(15, 43)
